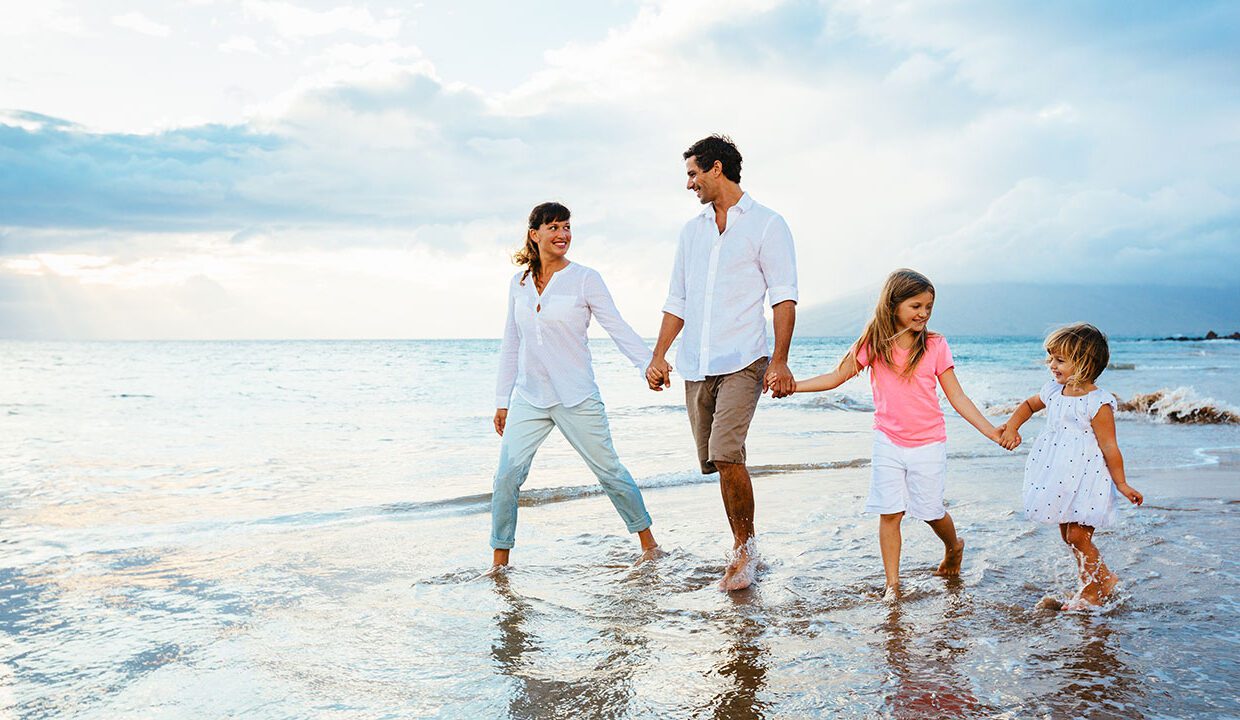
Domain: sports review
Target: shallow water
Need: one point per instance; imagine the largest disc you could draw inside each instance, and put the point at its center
(277, 530)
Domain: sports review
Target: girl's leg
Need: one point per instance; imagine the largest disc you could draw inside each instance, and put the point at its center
(585, 427)
(953, 546)
(525, 430)
(1097, 581)
(889, 542)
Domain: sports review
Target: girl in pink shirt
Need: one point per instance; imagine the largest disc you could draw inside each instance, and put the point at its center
(910, 439)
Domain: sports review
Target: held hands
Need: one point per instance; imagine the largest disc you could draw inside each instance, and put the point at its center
(1131, 493)
(501, 419)
(779, 380)
(1009, 439)
(658, 374)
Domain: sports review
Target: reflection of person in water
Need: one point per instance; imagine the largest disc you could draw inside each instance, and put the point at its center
(1102, 685)
(745, 666)
(926, 684)
(605, 689)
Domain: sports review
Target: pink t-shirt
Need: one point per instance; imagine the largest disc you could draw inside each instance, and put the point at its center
(907, 409)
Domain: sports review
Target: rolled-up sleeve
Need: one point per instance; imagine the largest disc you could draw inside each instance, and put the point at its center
(778, 261)
(675, 304)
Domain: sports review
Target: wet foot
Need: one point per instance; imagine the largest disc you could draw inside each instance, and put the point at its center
(1050, 603)
(494, 571)
(739, 574)
(892, 593)
(1099, 591)
(950, 567)
(650, 555)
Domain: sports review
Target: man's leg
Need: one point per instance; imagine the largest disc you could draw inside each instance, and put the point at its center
(737, 490)
(735, 402)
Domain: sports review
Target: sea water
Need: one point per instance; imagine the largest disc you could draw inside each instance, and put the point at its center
(295, 529)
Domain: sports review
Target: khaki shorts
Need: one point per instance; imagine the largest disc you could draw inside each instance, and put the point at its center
(720, 410)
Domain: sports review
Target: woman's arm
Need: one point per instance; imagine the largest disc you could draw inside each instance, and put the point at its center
(964, 406)
(1104, 429)
(598, 299)
(509, 348)
(845, 371)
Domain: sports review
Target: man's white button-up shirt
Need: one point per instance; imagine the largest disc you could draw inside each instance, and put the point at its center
(719, 282)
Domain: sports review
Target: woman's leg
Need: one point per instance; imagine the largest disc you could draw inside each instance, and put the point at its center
(525, 430)
(585, 427)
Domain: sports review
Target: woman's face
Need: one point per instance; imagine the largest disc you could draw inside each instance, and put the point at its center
(553, 239)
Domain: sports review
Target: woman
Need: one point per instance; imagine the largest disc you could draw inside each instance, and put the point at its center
(546, 379)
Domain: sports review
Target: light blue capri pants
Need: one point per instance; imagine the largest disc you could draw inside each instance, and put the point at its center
(584, 425)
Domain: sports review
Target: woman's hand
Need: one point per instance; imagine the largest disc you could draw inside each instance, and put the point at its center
(501, 419)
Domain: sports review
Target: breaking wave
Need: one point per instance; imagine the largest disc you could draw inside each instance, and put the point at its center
(1181, 405)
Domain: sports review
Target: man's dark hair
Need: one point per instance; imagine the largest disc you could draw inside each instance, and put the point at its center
(717, 147)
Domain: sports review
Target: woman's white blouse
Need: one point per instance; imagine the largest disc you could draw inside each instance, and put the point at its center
(544, 355)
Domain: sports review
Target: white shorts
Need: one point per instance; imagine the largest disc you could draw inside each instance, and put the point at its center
(907, 479)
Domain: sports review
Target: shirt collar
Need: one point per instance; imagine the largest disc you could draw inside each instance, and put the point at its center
(742, 206)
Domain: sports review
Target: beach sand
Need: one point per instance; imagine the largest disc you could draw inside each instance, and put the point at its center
(573, 630)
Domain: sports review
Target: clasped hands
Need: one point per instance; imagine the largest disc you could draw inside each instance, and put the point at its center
(1007, 437)
(778, 378)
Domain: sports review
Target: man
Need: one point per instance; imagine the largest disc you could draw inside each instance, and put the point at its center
(729, 256)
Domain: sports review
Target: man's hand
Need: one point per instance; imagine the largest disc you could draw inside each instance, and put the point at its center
(658, 374)
(501, 419)
(779, 380)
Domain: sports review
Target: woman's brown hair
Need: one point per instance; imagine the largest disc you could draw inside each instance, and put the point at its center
(547, 212)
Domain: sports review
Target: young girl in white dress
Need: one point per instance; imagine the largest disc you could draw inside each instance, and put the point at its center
(1075, 472)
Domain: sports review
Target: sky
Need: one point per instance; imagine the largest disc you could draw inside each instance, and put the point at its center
(280, 169)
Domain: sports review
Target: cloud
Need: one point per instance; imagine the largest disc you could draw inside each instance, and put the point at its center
(140, 23)
(1029, 143)
(294, 22)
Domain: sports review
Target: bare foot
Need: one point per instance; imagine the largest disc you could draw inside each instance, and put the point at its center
(1050, 603)
(1099, 591)
(739, 574)
(892, 593)
(495, 571)
(950, 567)
(650, 554)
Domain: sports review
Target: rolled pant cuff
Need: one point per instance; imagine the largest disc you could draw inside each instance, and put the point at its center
(502, 544)
(639, 525)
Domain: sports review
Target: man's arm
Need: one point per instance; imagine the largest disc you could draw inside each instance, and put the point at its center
(778, 378)
(659, 372)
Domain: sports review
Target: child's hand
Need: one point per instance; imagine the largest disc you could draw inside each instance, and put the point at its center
(1009, 439)
(1131, 493)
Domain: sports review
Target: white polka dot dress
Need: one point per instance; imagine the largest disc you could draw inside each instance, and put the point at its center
(1066, 479)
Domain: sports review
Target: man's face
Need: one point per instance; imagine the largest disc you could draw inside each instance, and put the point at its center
(704, 183)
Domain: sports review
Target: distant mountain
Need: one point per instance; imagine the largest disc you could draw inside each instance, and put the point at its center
(1030, 310)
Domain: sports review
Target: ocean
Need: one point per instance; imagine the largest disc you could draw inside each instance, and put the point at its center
(295, 529)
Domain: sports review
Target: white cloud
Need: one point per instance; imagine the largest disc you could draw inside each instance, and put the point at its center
(140, 23)
(240, 44)
(294, 22)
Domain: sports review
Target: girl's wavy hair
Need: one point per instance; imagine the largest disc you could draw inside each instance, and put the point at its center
(880, 332)
(1082, 345)
(547, 212)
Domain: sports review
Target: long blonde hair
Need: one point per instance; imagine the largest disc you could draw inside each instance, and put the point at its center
(528, 254)
(881, 331)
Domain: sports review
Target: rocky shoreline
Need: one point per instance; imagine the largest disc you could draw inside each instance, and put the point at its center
(1208, 336)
